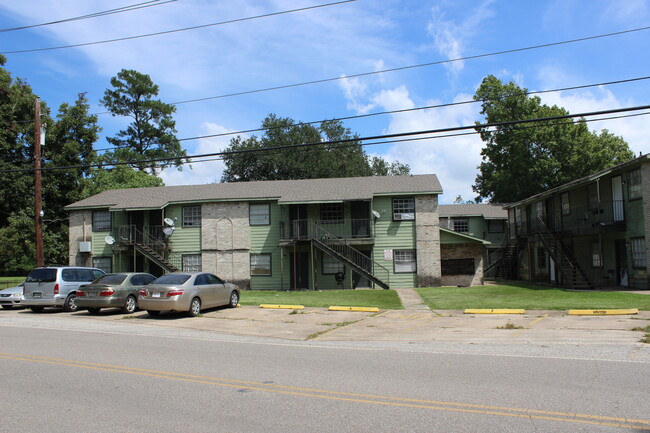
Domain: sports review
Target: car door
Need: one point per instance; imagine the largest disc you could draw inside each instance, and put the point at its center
(221, 297)
(202, 290)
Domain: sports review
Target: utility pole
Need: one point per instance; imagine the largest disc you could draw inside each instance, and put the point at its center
(38, 205)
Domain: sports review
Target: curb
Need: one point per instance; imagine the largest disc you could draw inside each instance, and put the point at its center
(494, 311)
(287, 307)
(367, 309)
(603, 312)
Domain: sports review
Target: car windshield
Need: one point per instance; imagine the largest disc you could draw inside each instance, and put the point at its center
(41, 276)
(172, 279)
(110, 279)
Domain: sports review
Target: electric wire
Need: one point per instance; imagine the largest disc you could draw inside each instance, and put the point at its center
(166, 32)
(188, 158)
(93, 15)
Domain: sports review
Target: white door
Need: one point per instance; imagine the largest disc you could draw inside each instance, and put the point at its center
(617, 199)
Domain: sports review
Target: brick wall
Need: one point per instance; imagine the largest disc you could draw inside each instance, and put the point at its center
(464, 251)
(427, 232)
(80, 222)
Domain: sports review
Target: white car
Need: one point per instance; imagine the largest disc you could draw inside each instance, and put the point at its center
(12, 297)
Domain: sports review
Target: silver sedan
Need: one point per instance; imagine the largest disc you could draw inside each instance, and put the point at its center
(113, 291)
(11, 297)
(187, 291)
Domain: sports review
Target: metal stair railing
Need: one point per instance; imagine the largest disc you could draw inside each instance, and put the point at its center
(153, 248)
(339, 249)
(571, 271)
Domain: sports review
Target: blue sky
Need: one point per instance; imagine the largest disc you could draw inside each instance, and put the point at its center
(338, 41)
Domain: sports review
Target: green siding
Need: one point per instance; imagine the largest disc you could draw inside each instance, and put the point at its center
(265, 240)
(184, 240)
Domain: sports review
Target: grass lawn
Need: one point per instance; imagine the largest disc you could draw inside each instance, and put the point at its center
(382, 299)
(10, 281)
(529, 297)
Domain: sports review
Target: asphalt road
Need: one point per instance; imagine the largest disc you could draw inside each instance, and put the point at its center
(82, 375)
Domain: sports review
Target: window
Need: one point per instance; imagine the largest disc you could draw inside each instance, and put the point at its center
(101, 221)
(103, 263)
(638, 252)
(634, 182)
(331, 266)
(566, 207)
(191, 263)
(461, 225)
(191, 216)
(259, 214)
(404, 261)
(495, 226)
(331, 212)
(518, 219)
(457, 266)
(261, 264)
(596, 257)
(403, 209)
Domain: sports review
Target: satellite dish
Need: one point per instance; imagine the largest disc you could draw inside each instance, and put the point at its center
(110, 240)
(169, 222)
(376, 214)
(168, 231)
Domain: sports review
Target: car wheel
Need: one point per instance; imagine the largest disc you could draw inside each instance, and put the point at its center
(36, 309)
(130, 305)
(70, 305)
(94, 310)
(153, 313)
(7, 307)
(234, 299)
(195, 308)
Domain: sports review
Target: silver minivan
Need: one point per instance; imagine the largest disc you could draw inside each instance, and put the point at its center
(56, 286)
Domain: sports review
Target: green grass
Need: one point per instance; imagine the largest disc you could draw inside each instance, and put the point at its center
(529, 297)
(382, 299)
(10, 281)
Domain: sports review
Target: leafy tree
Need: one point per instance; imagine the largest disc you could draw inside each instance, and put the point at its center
(120, 177)
(151, 134)
(342, 156)
(524, 160)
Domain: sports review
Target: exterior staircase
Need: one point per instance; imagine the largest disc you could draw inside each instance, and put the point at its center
(152, 255)
(505, 266)
(346, 254)
(150, 247)
(572, 273)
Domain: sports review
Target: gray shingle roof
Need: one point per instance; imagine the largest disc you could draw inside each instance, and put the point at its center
(285, 191)
(487, 211)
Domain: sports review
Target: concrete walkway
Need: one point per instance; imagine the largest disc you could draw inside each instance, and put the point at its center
(411, 300)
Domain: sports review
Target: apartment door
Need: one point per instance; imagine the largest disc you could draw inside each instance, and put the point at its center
(360, 211)
(299, 267)
(621, 263)
(298, 221)
(617, 199)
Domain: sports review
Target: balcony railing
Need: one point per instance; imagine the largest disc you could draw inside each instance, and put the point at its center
(341, 229)
(581, 220)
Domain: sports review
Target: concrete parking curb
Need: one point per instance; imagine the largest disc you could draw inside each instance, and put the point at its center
(494, 311)
(286, 307)
(610, 312)
(366, 309)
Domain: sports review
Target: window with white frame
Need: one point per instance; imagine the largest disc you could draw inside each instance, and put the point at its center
(191, 262)
(403, 209)
(101, 221)
(259, 214)
(192, 216)
(103, 263)
(261, 264)
(331, 266)
(461, 225)
(634, 184)
(331, 213)
(404, 261)
(638, 252)
(566, 205)
(596, 256)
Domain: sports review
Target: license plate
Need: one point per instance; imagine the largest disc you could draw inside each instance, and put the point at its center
(155, 295)
(92, 293)
(38, 295)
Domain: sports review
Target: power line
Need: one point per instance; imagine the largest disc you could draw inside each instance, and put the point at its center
(166, 32)
(404, 110)
(94, 14)
(355, 140)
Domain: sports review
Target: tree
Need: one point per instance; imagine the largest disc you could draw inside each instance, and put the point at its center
(151, 134)
(342, 155)
(121, 177)
(523, 160)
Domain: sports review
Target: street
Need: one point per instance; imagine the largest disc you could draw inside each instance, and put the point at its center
(67, 373)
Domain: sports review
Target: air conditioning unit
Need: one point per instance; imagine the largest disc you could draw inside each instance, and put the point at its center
(85, 247)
